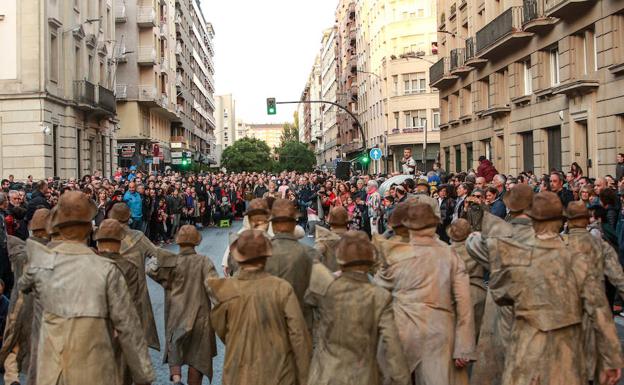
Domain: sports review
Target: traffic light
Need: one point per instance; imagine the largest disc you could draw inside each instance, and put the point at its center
(365, 160)
(271, 107)
(186, 160)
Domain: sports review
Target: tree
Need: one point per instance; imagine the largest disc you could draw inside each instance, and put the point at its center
(290, 133)
(247, 154)
(295, 156)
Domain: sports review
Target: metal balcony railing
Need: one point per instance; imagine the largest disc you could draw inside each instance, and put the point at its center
(457, 58)
(470, 48)
(146, 16)
(120, 12)
(437, 70)
(532, 9)
(107, 99)
(84, 92)
(506, 23)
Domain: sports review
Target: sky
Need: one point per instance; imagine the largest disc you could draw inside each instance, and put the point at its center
(266, 48)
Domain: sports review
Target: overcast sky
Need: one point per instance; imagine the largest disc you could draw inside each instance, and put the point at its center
(266, 48)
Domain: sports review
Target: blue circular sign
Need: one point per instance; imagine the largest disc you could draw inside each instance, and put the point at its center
(375, 154)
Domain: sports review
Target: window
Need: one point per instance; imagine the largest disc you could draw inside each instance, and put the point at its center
(395, 81)
(415, 83)
(416, 119)
(420, 12)
(54, 58)
(396, 120)
(77, 62)
(528, 79)
(554, 67)
(90, 69)
(436, 120)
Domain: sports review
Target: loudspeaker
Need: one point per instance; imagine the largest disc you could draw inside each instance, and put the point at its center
(343, 170)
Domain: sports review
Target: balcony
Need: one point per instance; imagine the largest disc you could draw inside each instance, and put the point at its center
(442, 23)
(567, 8)
(164, 30)
(458, 57)
(501, 35)
(85, 94)
(453, 12)
(496, 111)
(121, 91)
(120, 12)
(107, 99)
(440, 75)
(577, 87)
(534, 18)
(471, 59)
(146, 17)
(148, 95)
(146, 56)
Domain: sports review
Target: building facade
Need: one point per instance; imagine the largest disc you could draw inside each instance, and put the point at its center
(57, 81)
(164, 83)
(533, 85)
(270, 133)
(397, 44)
(225, 132)
(329, 88)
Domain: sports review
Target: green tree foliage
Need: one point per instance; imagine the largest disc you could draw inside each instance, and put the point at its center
(247, 154)
(295, 156)
(290, 133)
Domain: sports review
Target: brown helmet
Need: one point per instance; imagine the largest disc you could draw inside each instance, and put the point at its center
(398, 215)
(74, 207)
(546, 206)
(519, 198)
(420, 216)
(258, 206)
(576, 210)
(338, 216)
(250, 245)
(354, 248)
(39, 220)
(283, 210)
(109, 230)
(459, 230)
(50, 229)
(120, 211)
(188, 235)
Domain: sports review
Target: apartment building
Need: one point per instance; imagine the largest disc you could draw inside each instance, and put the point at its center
(316, 117)
(397, 43)
(349, 136)
(270, 133)
(164, 82)
(533, 85)
(329, 89)
(225, 132)
(57, 76)
(195, 81)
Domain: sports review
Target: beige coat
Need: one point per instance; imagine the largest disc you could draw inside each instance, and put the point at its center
(325, 243)
(599, 258)
(496, 322)
(348, 305)
(85, 300)
(432, 307)
(292, 261)
(136, 249)
(551, 288)
(259, 319)
(189, 337)
(478, 291)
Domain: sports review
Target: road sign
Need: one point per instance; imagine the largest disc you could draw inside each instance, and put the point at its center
(375, 153)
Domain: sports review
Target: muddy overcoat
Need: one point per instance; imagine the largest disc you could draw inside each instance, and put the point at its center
(189, 338)
(84, 300)
(260, 321)
(354, 317)
(551, 289)
(136, 248)
(325, 242)
(432, 307)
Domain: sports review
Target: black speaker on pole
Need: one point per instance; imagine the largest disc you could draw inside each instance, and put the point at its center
(343, 170)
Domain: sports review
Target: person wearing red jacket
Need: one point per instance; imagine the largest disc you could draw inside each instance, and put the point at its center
(486, 169)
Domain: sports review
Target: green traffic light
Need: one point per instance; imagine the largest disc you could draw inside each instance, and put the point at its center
(365, 160)
(271, 106)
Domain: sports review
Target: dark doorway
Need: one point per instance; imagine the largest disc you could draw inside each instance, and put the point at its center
(554, 148)
(527, 151)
